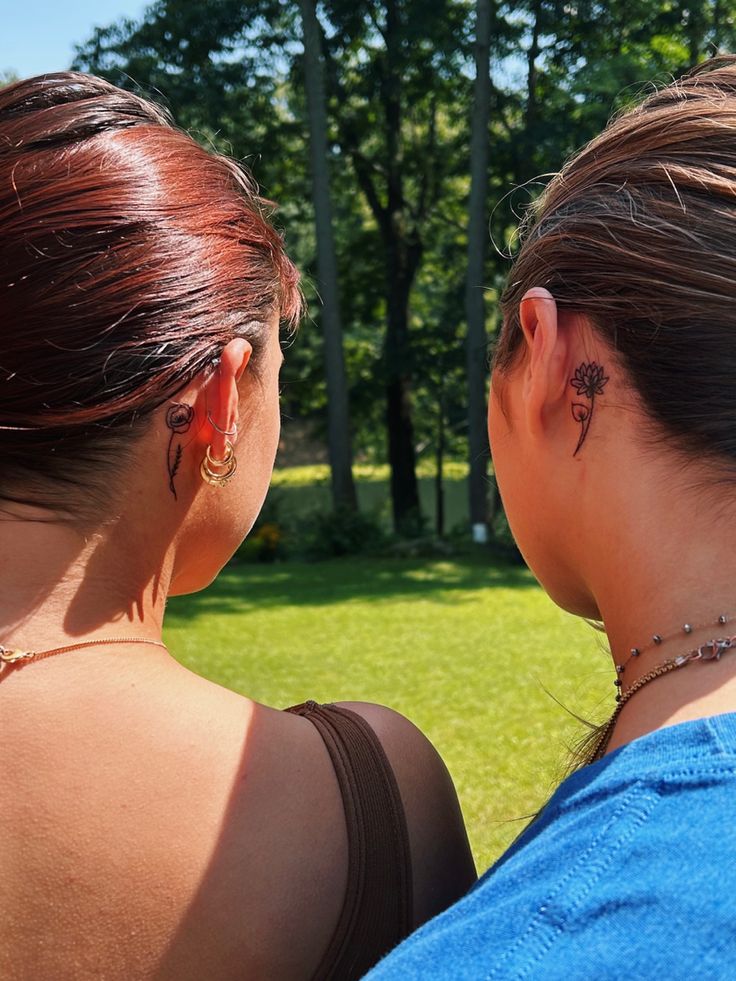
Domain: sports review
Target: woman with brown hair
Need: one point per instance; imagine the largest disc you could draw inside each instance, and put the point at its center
(152, 824)
(612, 421)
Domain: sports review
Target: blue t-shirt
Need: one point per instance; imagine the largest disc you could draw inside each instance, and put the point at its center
(629, 872)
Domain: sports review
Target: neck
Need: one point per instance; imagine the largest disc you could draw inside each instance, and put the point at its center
(657, 589)
(59, 585)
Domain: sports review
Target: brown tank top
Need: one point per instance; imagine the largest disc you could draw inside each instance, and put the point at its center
(377, 912)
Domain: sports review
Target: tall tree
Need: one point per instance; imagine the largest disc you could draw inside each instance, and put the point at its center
(393, 68)
(338, 415)
(399, 83)
(476, 340)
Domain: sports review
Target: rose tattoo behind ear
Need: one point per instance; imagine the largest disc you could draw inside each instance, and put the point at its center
(178, 418)
(588, 380)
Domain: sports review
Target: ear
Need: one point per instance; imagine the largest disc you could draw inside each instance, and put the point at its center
(545, 376)
(222, 396)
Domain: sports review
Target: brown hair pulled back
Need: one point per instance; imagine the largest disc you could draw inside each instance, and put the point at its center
(129, 257)
(638, 232)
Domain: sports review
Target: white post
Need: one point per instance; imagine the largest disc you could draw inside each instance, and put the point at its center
(480, 533)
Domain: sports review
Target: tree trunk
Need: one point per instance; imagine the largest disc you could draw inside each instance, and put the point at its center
(439, 487)
(403, 250)
(476, 340)
(696, 31)
(402, 261)
(401, 452)
(530, 115)
(338, 417)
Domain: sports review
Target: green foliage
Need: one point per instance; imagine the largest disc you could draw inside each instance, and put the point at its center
(232, 73)
(268, 540)
(302, 491)
(343, 531)
(462, 647)
(297, 522)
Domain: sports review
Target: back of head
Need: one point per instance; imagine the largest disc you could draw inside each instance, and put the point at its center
(637, 233)
(129, 256)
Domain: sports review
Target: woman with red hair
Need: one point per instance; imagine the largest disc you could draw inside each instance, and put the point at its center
(155, 825)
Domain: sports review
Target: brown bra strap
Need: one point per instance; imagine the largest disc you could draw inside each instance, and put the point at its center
(377, 912)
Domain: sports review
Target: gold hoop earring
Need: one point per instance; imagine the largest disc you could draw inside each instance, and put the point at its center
(229, 462)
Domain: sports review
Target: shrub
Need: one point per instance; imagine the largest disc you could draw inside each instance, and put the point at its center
(343, 531)
(266, 541)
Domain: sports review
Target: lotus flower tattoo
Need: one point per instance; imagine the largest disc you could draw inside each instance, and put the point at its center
(589, 381)
(178, 419)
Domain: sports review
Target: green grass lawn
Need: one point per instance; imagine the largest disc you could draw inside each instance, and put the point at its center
(462, 647)
(300, 490)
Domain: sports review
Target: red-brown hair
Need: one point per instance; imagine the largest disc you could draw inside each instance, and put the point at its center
(129, 256)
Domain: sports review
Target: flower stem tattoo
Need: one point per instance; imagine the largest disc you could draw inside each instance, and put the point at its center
(178, 418)
(589, 381)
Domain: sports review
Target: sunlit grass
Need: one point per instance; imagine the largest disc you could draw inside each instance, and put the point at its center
(463, 648)
(319, 473)
(296, 491)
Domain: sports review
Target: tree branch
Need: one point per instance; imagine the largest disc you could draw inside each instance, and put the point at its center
(430, 171)
(350, 144)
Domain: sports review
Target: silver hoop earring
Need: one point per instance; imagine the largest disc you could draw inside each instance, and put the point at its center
(225, 432)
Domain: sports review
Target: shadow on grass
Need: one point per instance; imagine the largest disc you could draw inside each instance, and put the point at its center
(242, 587)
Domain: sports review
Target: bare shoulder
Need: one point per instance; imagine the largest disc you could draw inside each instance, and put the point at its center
(442, 863)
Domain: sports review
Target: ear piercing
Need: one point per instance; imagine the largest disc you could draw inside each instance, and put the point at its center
(218, 477)
(225, 432)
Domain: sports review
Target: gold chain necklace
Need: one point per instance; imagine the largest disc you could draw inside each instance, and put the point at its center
(17, 658)
(711, 650)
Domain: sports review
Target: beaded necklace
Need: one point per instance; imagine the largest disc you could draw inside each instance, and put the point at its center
(711, 650)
